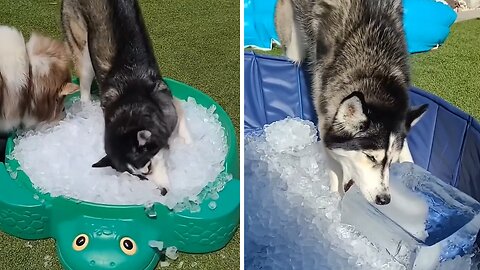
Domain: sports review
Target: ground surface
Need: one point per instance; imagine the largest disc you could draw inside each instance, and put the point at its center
(195, 42)
(451, 71)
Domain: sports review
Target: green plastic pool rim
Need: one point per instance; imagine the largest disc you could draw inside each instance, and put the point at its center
(231, 159)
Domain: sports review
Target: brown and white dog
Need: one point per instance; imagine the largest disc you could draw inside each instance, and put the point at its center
(34, 80)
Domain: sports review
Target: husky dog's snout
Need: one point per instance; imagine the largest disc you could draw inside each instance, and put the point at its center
(383, 199)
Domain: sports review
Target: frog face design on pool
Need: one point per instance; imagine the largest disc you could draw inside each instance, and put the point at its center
(105, 244)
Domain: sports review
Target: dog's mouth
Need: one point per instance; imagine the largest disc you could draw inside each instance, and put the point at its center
(140, 176)
(348, 185)
(141, 173)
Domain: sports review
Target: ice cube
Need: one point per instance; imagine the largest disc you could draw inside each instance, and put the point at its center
(450, 219)
(195, 208)
(212, 205)
(171, 253)
(156, 244)
(214, 195)
(459, 262)
(290, 134)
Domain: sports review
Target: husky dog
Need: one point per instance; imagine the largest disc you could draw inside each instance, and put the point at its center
(357, 57)
(34, 80)
(109, 42)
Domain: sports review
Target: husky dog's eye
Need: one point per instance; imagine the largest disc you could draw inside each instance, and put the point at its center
(372, 158)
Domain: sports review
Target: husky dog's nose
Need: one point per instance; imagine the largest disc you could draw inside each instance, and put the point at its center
(382, 199)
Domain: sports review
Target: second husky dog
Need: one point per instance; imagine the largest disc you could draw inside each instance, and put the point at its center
(357, 56)
(109, 41)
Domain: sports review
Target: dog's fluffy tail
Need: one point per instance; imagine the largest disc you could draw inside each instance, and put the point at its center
(44, 51)
(302, 24)
(50, 79)
(14, 63)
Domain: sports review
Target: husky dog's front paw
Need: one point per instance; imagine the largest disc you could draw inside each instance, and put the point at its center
(333, 181)
(186, 140)
(159, 174)
(162, 184)
(85, 98)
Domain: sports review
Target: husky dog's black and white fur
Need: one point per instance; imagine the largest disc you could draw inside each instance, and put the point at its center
(357, 57)
(109, 41)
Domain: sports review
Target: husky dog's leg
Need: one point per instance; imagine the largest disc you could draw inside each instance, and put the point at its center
(159, 172)
(335, 172)
(296, 49)
(405, 155)
(86, 75)
(182, 129)
(75, 30)
(289, 31)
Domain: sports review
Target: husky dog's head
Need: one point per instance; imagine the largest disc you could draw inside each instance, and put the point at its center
(365, 138)
(137, 127)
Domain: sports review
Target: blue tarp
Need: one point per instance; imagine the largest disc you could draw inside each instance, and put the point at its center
(446, 141)
(426, 22)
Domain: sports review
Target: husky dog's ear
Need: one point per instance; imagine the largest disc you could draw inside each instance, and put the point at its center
(351, 115)
(104, 162)
(68, 88)
(143, 136)
(414, 115)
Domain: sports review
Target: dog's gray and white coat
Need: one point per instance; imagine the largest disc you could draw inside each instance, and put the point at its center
(109, 41)
(357, 56)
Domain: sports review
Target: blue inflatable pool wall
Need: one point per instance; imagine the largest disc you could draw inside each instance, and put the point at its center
(446, 141)
(426, 23)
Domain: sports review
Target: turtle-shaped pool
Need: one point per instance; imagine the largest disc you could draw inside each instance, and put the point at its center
(100, 236)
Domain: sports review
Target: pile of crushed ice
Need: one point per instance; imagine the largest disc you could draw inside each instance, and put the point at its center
(58, 160)
(292, 220)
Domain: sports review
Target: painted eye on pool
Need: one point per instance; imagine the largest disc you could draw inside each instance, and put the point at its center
(128, 246)
(80, 242)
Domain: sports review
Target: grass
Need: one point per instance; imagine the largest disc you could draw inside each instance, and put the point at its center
(452, 71)
(195, 42)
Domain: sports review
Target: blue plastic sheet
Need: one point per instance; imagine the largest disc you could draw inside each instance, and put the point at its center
(426, 23)
(446, 141)
(258, 26)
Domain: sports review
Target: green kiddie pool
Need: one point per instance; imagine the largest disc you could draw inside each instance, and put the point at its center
(97, 236)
